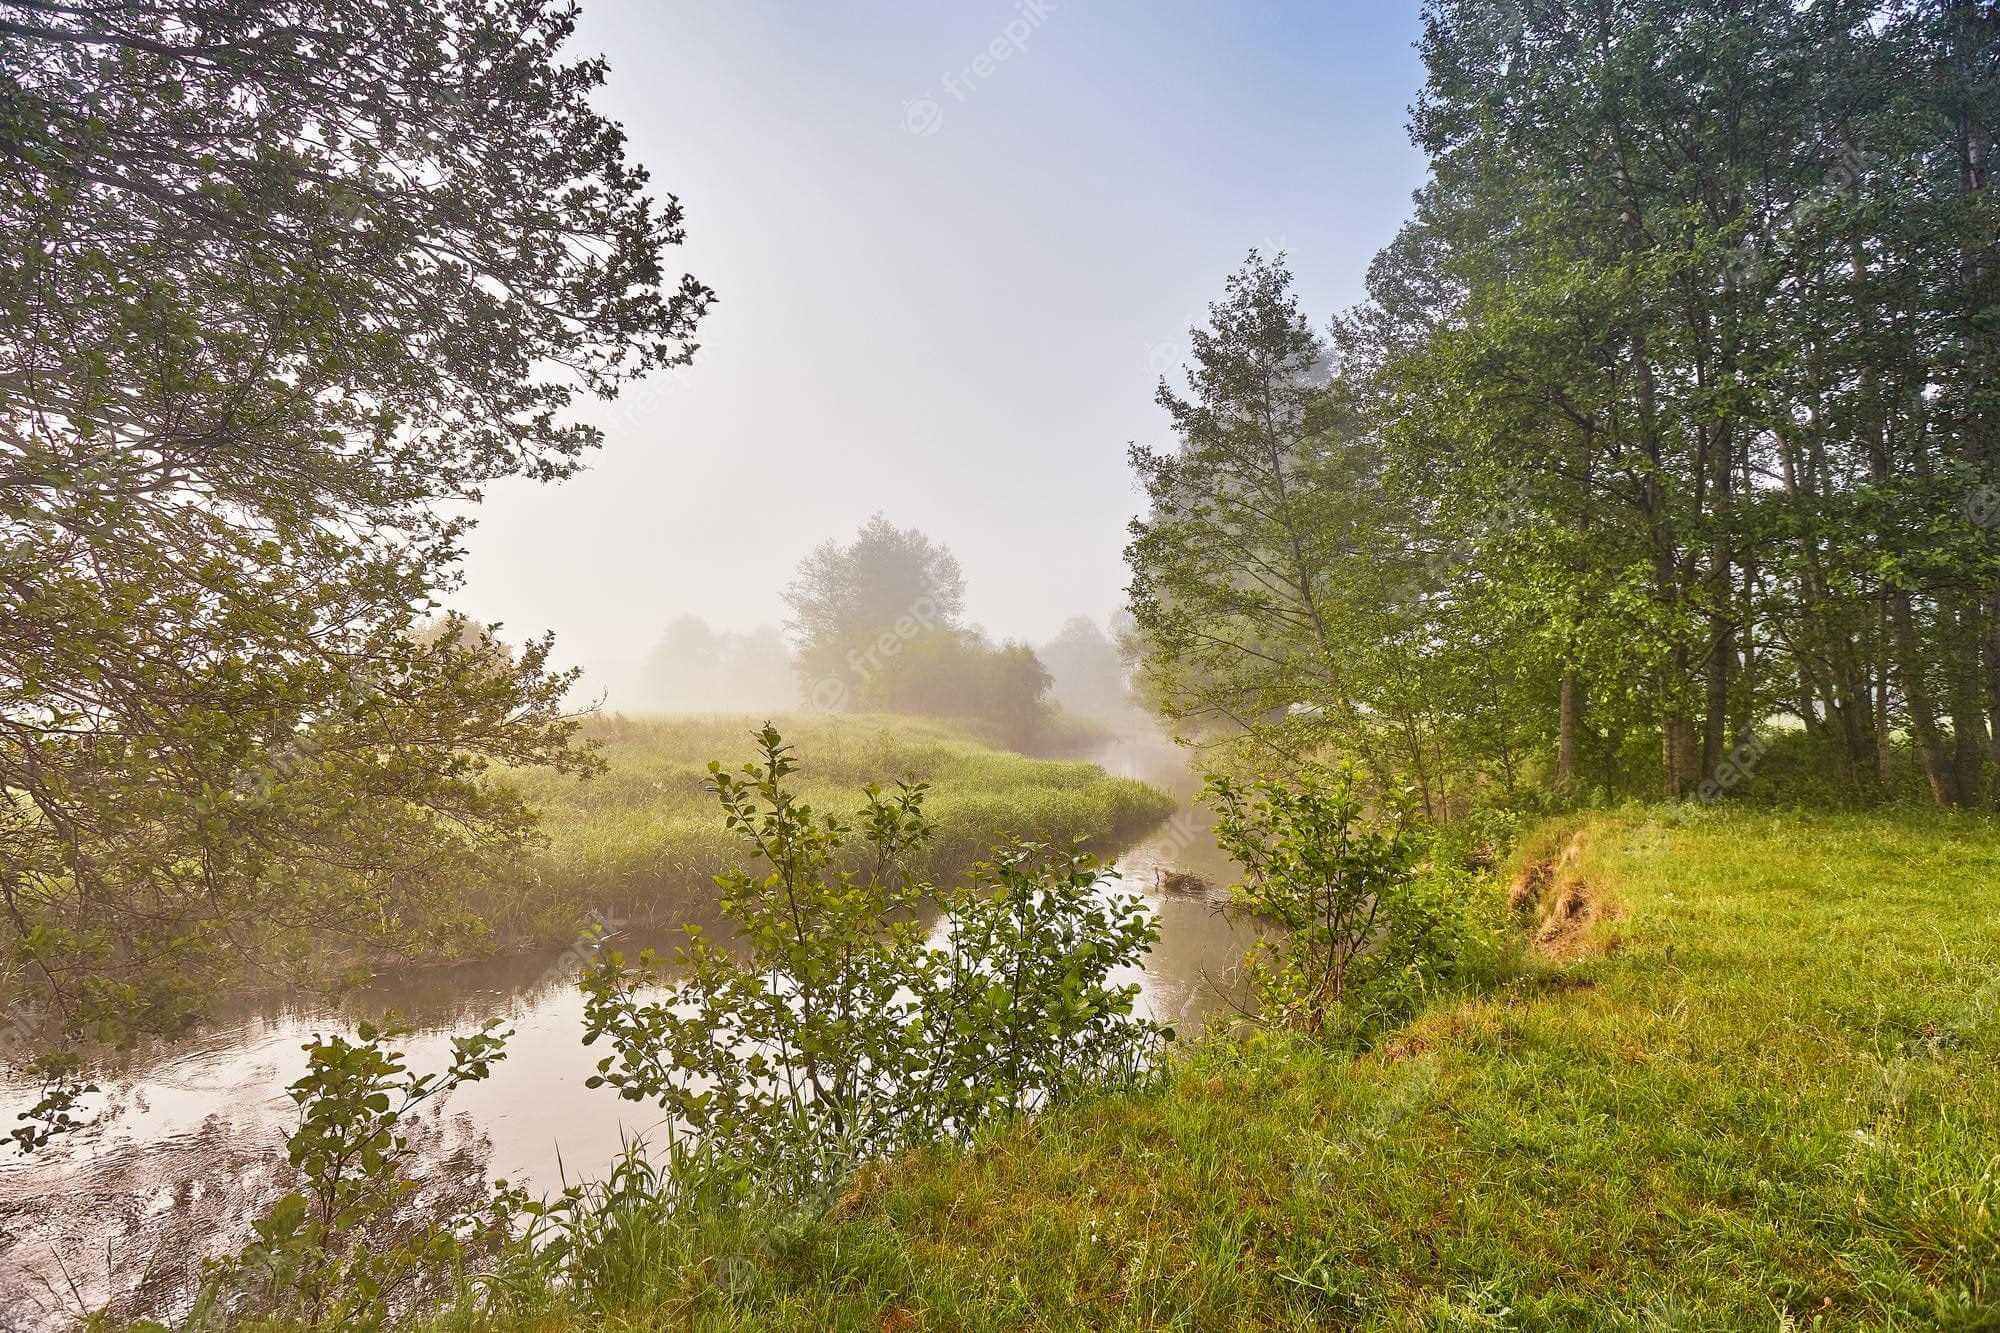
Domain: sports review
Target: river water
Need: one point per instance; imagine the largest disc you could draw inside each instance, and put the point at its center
(188, 1138)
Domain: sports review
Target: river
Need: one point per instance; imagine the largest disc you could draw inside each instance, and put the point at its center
(187, 1138)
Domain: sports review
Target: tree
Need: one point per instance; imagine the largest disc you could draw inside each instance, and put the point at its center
(840, 1026)
(958, 674)
(1757, 230)
(346, 1249)
(1668, 415)
(291, 285)
(695, 668)
(1087, 674)
(1262, 575)
(1366, 937)
(853, 605)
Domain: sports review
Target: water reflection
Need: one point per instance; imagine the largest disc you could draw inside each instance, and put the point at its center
(192, 1134)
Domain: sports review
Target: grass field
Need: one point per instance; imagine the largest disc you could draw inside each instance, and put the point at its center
(1749, 1077)
(643, 839)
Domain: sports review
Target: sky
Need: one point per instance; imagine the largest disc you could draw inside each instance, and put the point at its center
(947, 286)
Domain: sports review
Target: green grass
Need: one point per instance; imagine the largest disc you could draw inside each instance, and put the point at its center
(1754, 1083)
(644, 839)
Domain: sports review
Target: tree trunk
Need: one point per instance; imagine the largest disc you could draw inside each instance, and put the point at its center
(1923, 711)
(1884, 757)
(1968, 703)
(1566, 735)
(1715, 722)
(1680, 745)
(1966, 618)
(1721, 585)
(1993, 685)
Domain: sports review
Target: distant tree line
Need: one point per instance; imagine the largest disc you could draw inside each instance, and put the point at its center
(1672, 415)
(877, 625)
(695, 668)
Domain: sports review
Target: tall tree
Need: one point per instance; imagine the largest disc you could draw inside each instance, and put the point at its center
(1672, 406)
(287, 287)
(853, 603)
(1250, 569)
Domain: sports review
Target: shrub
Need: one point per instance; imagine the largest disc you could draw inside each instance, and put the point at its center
(1477, 840)
(839, 1027)
(1001, 690)
(1365, 935)
(347, 1250)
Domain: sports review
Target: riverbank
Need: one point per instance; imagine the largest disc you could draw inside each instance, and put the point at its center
(641, 842)
(1747, 1076)
(185, 1140)
(635, 848)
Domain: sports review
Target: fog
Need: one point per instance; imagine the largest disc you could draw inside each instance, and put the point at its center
(944, 295)
(876, 623)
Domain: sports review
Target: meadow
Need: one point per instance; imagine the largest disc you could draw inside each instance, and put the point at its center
(1742, 1071)
(642, 840)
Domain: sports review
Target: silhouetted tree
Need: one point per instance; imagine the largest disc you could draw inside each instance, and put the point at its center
(852, 604)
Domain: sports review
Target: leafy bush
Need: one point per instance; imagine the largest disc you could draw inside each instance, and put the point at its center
(1796, 767)
(999, 689)
(838, 1027)
(1477, 840)
(344, 1250)
(1365, 935)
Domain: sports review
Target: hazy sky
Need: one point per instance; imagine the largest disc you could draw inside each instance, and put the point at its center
(946, 290)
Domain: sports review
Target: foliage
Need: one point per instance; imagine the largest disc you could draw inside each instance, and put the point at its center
(1253, 526)
(338, 1253)
(55, 1112)
(1805, 770)
(852, 605)
(1770, 1096)
(878, 627)
(657, 1229)
(640, 841)
(1364, 934)
(957, 674)
(1086, 671)
(842, 1031)
(1479, 841)
(1670, 412)
(291, 285)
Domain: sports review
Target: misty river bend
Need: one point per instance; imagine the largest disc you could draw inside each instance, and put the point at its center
(190, 1137)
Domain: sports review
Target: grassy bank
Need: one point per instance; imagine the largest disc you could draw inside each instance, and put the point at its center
(643, 839)
(1750, 1078)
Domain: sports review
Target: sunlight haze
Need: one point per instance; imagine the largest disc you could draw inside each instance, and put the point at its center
(940, 324)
